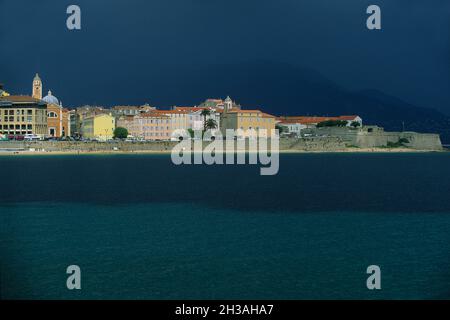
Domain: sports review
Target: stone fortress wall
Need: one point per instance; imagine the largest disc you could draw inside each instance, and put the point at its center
(321, 139)
(376, 137)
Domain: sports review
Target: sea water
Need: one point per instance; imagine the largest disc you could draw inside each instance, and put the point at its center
(140, 227)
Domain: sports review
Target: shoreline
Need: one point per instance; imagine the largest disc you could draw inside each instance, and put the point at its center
(168, 152)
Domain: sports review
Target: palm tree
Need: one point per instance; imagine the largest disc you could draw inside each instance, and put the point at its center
(210, 124)
(205, 113)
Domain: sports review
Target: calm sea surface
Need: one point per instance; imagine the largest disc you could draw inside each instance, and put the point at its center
(140, 227)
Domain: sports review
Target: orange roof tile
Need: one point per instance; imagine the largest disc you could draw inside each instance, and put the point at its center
(19, 99)
(313, 120)
(172, 111)
(266, 115)
(244, 111)
(191, 109)
(153, 114)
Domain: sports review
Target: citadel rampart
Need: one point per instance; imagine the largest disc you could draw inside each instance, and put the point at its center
(376, 137)
(322, 140)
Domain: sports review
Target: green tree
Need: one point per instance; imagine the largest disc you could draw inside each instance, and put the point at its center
(191, 132)
(120, 133)
(400, 143)
(332, 123)
(210, 124)
(205, 113)
(281, 128)
(355, 124)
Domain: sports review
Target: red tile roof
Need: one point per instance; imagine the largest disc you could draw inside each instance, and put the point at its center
(125, 108)
(19, 99)
(172, 111)
(262, 114)
(244, 111)
(313, 120)
(153, 114)
(190, 109)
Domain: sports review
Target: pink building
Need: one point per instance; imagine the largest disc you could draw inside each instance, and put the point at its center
(148, 126)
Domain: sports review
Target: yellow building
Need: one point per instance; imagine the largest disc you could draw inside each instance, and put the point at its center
(21, 115)
(243, 121)
(100, 127)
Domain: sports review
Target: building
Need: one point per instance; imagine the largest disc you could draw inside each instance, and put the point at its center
(351, 119)
(181, 121)
(74, 124)
(57, 117)
(291, 127)
(81, 113)
(99, 127)
(154, 125)
(165, 124)
(58, 120)
(37, 87)
(312, 122)
(131, 124)
(89, 111)
(242, 121)
(196, 121)
(219, 104)
(212, 104)
(21, 115)
(119, 111)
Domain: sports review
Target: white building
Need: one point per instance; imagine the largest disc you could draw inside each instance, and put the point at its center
(292, 127)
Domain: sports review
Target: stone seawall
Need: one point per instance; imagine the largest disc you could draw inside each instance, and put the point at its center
(376, 137)
(313, 144)
(63, 146)
(423, 141)
(327, 139)
(307, 144)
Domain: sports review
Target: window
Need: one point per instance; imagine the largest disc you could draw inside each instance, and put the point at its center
(52, 115)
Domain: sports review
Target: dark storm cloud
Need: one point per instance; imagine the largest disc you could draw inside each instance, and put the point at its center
(134, 51)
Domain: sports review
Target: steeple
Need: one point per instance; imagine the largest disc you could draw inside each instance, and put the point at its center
(228, 104)
(37, 87)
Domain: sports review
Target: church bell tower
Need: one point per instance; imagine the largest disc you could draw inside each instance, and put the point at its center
(228, 104)
(37, 87)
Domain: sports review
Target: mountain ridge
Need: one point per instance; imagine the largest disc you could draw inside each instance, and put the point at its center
(283, 89)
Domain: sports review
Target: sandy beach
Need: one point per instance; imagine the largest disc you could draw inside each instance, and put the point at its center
(168, 152)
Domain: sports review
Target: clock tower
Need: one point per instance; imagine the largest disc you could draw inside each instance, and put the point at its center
(37, 87)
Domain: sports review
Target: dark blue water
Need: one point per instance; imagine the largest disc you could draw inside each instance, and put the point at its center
(140, 227)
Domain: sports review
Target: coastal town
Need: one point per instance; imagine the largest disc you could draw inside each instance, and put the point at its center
(38, 118)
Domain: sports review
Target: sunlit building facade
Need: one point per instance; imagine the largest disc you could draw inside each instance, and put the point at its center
(21, 115)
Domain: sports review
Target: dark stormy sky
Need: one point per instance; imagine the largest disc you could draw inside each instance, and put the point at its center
(137, 51)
